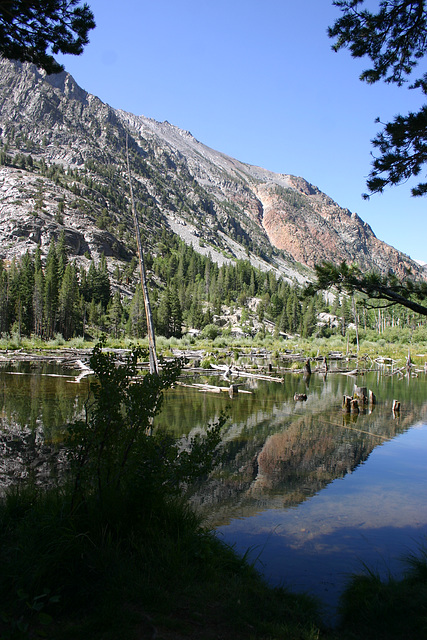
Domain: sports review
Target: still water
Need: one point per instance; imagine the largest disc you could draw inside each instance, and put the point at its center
(311, 494)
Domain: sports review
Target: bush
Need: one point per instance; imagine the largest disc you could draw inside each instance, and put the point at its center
(114, 450)
(210, 332)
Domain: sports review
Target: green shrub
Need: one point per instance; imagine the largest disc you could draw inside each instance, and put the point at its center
(210, 332)
(114, 449)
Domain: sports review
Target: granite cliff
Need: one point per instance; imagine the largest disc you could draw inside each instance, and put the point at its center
(63, 168)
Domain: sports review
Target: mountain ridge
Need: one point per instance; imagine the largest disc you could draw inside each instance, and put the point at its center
(68, 147)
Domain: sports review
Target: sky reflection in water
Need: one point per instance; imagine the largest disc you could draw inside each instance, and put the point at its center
(372, 517)
(282, 453)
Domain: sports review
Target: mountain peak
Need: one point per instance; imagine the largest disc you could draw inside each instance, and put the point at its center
(63, 145)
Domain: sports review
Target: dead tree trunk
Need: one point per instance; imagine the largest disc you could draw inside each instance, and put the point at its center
(150, 326)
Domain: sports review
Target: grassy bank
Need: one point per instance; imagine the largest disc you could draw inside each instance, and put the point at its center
(134, 568)
(129, 570)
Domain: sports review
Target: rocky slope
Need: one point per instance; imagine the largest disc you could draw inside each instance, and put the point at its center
(63, 166)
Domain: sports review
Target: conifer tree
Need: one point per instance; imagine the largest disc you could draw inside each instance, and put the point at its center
(14, 296)
(137, 321)
(61, 252)
(115, 313)
(68, 302)
(38, 293)
(26, 288)
(293, 312)
(103, 282)
(4, 300)
(175, 325)
(163, 315)
(51, 292)
(309, 318)
(30, 29)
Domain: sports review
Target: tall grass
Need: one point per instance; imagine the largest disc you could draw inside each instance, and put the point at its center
(130, 563)
(387, 609)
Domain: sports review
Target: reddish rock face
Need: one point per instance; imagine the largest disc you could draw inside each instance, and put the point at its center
(311, 227)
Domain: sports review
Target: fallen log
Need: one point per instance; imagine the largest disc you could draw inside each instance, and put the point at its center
(210, 387)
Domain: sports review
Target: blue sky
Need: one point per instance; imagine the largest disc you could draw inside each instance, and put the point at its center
(258, 81)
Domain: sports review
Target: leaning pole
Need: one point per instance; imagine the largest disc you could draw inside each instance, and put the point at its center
(154, 368)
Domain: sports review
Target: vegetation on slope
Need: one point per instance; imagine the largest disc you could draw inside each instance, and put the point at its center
(51, 297)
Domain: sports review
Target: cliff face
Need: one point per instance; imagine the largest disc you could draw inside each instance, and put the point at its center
(63, 167)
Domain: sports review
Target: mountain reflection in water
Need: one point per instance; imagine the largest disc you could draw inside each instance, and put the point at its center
(312, 493)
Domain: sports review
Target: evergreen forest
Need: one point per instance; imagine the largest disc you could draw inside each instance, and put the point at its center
(51, 296)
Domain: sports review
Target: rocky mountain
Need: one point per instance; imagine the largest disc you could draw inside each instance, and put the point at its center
(63, 167)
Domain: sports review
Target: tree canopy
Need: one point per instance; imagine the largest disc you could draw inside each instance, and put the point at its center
(31, 30)
(394, 38)
(387, 290)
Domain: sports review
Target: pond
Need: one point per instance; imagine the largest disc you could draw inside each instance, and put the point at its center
(309, 493)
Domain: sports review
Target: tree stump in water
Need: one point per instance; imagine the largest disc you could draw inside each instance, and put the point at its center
(360, 393)
(233, 390)
(346, 401)
(396, 406)
(300, 397)
(354, 406)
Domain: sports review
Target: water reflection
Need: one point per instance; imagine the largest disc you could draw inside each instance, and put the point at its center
(279, 452)
(37, 402)
(40, 395)
(371, 517)
(312, 490)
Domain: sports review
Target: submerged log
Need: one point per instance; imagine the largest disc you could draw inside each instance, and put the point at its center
(210, 387)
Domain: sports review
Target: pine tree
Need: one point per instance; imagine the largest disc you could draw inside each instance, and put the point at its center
(103, 282)
(38, 293)
(14, 298)
(293, 312)
(4, 301)
(137, 321)
(26, 288)
(115, 313)
(309, 318)
(97, 285)
(51, 292)
(175, 325)
(68, 302)
(163, 315)
(61, 252)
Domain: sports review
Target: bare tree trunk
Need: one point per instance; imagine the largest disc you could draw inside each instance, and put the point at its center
(356, 320)
(150, 327)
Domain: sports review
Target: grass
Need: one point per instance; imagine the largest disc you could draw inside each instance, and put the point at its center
(129, 569)
(371, 344)
(137, 568)
(387, 610)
